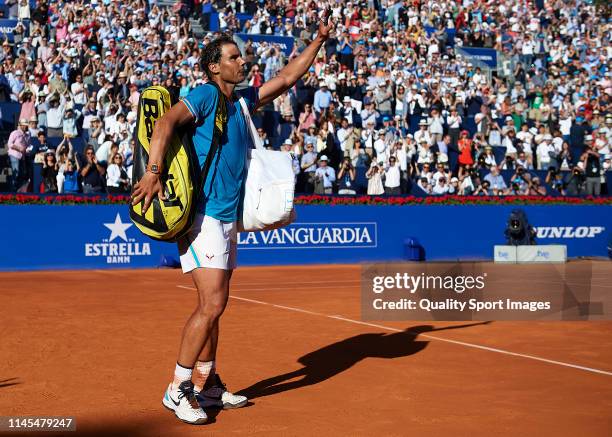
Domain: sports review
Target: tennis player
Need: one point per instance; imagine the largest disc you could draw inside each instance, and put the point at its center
(209, 249)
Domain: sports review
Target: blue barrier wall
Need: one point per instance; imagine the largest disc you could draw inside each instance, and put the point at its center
(66, 237)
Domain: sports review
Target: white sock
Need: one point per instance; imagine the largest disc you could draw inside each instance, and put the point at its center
(181, 374)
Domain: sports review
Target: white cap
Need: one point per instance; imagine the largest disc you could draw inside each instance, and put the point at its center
(288, 142)
(323, 158)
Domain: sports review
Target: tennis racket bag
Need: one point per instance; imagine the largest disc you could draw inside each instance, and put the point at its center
(182, 177)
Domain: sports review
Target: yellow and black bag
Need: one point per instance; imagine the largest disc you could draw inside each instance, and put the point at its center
(182, 177)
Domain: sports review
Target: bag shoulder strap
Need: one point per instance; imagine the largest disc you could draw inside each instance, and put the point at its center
(219, 126)
(257, 143)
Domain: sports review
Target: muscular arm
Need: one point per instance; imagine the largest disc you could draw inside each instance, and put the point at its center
(295, 69)
(164, 128)
(150, 185)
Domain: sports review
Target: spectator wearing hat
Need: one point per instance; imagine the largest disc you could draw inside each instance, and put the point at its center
(546, 153)
(422, 135)
(383, 97)
(33, 126)
(454, 122)
(351, 114)
(55, 115)
(325, 176)
(288, 146)
(18, 143)
(436, 126)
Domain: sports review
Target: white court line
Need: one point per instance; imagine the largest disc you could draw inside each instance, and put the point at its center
(288, 287)
(388, 328)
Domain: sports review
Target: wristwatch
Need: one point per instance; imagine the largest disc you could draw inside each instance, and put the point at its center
(154, 168)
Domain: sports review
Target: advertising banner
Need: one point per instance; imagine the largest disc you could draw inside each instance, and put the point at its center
(102, 236)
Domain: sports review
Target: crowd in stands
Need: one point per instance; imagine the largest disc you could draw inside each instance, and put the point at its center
(390, 106)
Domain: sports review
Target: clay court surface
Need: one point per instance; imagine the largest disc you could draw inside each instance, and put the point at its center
(101, 346)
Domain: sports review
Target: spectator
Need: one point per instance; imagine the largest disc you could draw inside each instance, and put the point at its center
(382, 71)
(535, 188)
(574, 183)
(440, 187)
(346, 178)
(322, 98)
(18, 143)
(393, 178)
(49, 173)
(117, 180)
(592, 166)
(92, 173)
(69, 180)
(324, 177)
(495, 180)
(554, 178)
(465, 153)
(374, 176)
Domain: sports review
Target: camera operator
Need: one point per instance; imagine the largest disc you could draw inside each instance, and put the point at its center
(535, 187)
(522, 178)
(575, 181)
(592, 168)
(555, 179)
(515, 190)
(346, 178)
(483, 190)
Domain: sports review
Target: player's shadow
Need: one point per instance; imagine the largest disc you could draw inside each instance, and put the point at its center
(335, 358)
(9, 382)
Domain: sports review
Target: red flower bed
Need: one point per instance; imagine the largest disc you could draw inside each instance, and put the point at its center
(76, 199)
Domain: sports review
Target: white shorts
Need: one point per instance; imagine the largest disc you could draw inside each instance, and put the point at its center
(210, 243)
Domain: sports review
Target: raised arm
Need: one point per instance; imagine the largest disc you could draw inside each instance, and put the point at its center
(295, 69)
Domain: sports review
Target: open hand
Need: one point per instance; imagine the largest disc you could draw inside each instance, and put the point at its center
(147, 188)
(325, 25)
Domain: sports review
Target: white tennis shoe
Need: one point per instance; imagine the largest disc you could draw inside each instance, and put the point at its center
(216, 395)
(184, 403)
